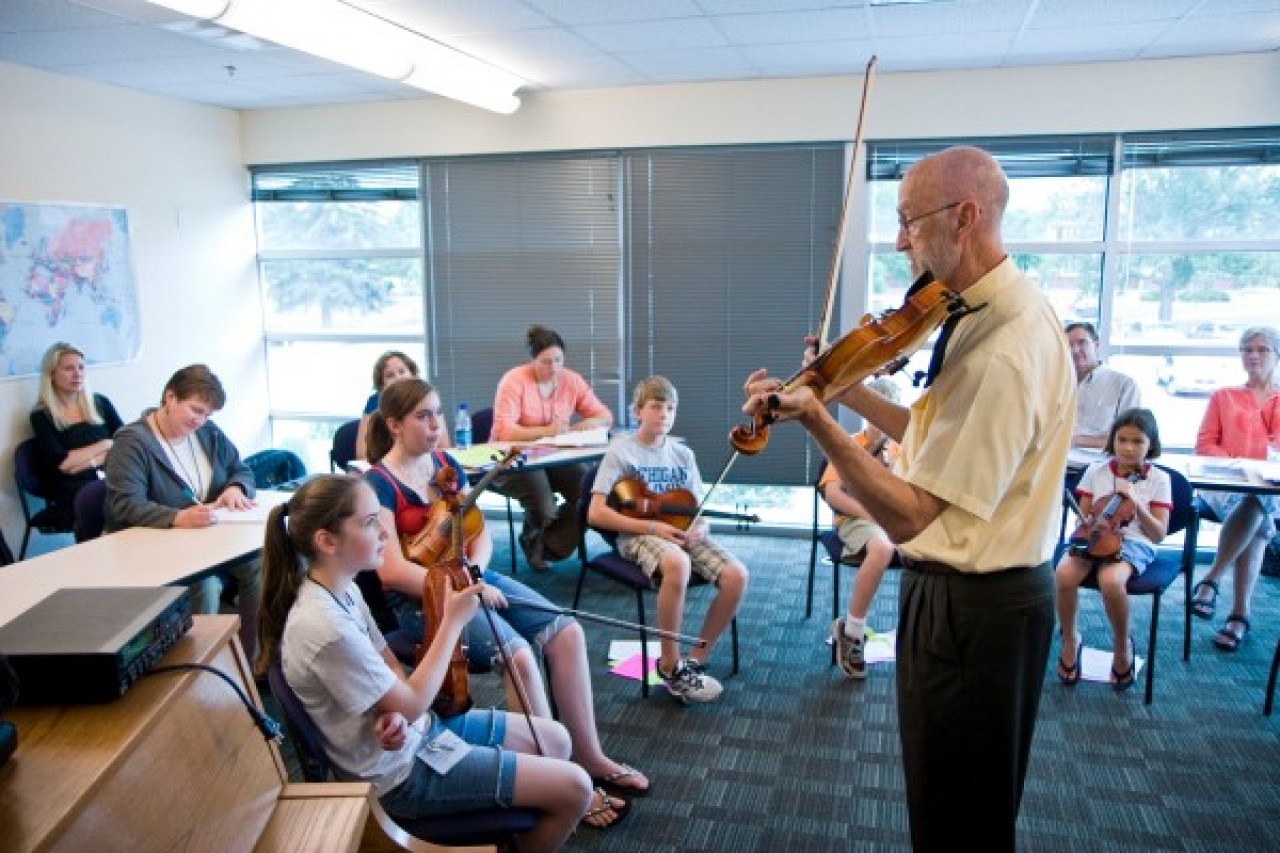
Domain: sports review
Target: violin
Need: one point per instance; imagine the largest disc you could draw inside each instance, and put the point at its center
(435, 541)
(440, 546)
(866, 349)
(632, 497)
(1101, 537)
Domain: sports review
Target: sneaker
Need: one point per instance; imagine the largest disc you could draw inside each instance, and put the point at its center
(689, 682)
(850, 653)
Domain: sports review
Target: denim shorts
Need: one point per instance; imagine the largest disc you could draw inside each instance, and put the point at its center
(518, 627)
(1137, 554)
(485, 778)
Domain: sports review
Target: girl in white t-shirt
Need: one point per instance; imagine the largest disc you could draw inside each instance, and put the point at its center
(376, 723)
(1128, 474)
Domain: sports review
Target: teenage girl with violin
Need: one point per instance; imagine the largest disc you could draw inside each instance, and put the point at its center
(672, 546)
(376, 720)
(1125, 502)
(404, 435)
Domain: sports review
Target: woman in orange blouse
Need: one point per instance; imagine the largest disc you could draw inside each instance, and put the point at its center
(538, 399)
(1243, 423)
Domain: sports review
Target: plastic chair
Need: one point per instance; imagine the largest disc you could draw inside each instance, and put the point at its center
(343, 449)
(489, 826)
(481, 429)
(1167, 565)
(44, 519)
(620, 570)
(91, 511)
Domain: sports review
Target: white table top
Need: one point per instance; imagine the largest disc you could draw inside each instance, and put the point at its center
(139, 556)
(1209, 473)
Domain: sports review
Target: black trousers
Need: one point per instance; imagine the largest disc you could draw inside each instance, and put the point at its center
(972, 652)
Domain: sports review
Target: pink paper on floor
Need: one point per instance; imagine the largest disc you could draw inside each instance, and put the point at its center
(632, 667)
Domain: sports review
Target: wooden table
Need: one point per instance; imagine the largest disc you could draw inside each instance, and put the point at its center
(176, 763)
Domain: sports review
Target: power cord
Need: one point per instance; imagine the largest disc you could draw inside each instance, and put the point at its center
(270, 729)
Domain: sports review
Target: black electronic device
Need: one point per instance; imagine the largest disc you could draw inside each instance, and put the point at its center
(89, 645)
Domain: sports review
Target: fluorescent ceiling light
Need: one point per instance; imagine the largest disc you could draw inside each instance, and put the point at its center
(340, 33)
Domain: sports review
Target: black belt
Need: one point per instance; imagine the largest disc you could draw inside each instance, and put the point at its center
(933, 567)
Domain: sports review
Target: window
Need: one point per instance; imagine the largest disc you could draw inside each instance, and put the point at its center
(1168, 243)
(340, 264)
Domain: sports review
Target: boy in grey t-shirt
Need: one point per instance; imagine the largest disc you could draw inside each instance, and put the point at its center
(665, 549)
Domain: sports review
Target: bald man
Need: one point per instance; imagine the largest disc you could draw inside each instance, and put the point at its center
(972, 504)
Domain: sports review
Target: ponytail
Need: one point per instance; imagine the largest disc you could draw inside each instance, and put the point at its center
(322, 503)
(282, 574)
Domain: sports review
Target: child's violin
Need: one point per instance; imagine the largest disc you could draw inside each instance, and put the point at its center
(632, 497)
(1101, 537)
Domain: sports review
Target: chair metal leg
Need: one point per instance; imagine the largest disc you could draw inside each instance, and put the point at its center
(733, 635)
(511, 534)
(1151, 646)
(644, 645)
(1271, 682)
(26, 537)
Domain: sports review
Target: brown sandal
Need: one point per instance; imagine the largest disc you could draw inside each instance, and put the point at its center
(608, 805)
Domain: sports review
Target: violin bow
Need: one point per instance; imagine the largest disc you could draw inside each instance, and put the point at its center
(824, 324)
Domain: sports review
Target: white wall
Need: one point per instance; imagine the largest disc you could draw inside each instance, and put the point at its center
(176, 168)
(1226, 91)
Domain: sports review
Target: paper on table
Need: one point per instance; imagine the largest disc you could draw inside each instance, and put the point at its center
(477, 455)
(577, 438)
(253, 515)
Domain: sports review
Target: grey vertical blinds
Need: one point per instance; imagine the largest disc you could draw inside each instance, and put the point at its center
(727, 257)
(517, 240)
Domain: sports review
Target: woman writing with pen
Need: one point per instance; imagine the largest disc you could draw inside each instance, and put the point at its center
(173, 467)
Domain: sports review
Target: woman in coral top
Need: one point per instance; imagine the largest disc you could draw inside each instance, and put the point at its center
(538, 399)
(1242, 423)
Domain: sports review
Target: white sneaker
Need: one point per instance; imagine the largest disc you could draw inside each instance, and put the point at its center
(850, 653)
(690, 682)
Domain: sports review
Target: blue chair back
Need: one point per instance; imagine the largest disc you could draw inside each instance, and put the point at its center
(91, 510)
(481, 426)
(343, 449)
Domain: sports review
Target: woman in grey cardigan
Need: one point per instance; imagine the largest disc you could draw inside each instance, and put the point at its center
(173, 467)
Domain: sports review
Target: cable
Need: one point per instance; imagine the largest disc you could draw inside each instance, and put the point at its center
(270, 729)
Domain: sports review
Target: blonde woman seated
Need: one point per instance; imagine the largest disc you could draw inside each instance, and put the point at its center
(403, 442)
(73, 429)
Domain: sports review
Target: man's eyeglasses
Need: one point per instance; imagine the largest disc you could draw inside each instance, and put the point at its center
(1256, 350)
(908, 225)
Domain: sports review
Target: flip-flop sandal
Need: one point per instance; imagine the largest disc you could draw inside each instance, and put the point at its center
(1203, 608)
(1228, 640)
(1070, 675)
(610, 782)
(1121, 681)
(607, 805)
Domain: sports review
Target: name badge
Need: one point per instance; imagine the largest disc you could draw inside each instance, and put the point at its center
(443, 751)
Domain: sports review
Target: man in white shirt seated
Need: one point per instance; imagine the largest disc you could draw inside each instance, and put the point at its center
(1101, 393)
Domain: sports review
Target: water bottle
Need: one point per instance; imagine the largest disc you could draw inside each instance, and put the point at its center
(462, 428)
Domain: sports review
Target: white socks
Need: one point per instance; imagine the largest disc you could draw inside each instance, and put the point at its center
(855, 629)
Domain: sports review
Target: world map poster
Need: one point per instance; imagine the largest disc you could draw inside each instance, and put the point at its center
(66, 274)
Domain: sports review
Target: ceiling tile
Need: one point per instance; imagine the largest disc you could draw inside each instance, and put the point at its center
(670, 34)
(799, 27)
